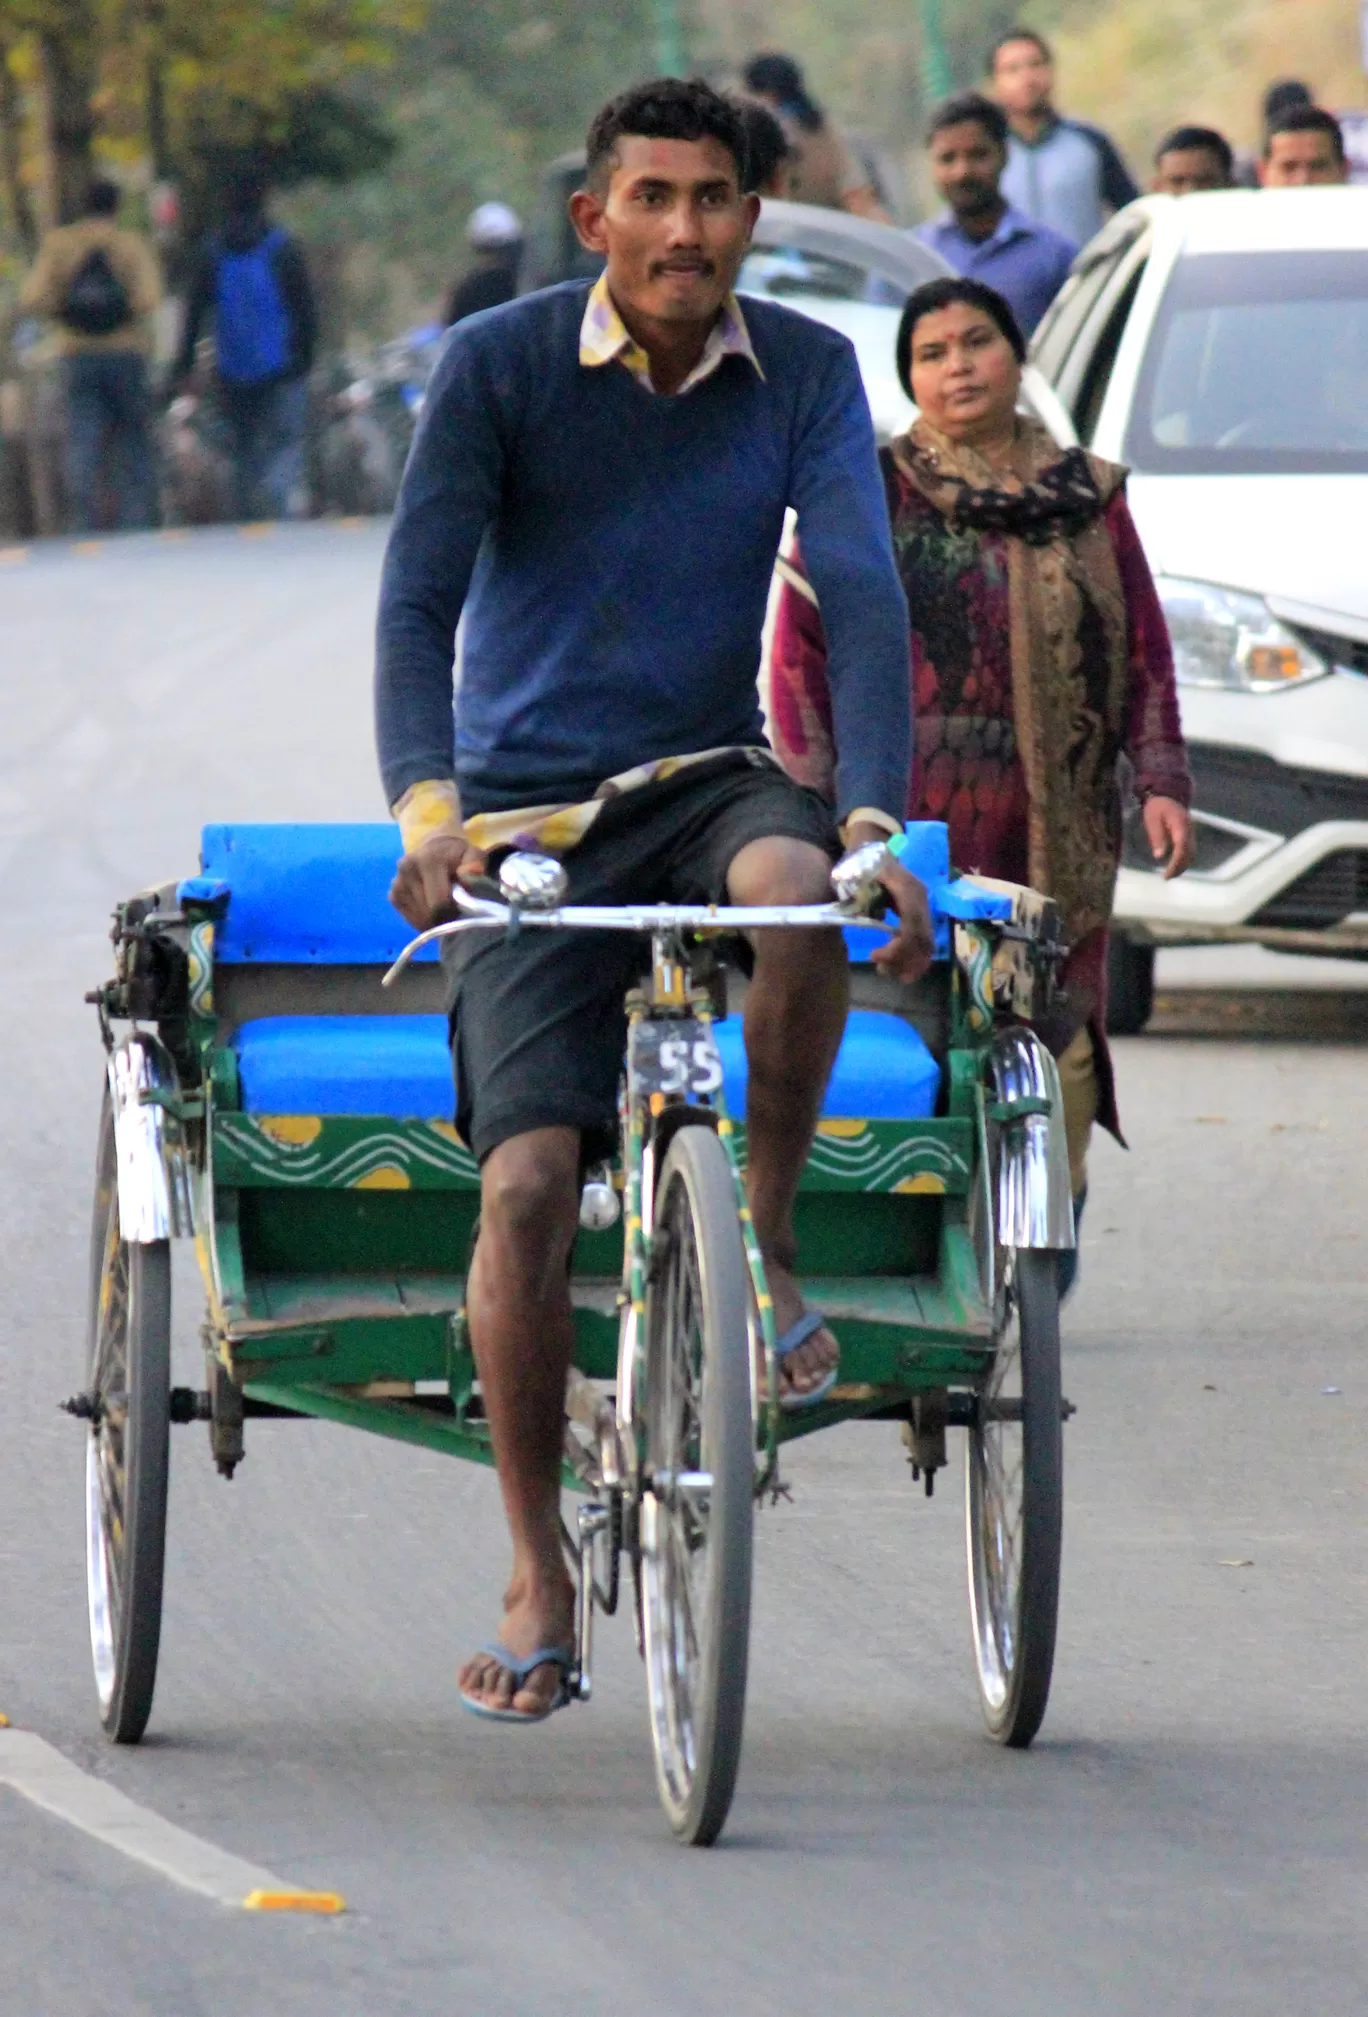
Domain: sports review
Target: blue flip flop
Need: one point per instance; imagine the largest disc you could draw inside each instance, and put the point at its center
(545, 1656)
(795, 1336)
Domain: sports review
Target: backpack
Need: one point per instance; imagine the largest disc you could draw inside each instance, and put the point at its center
(96, 302)
(252, 323)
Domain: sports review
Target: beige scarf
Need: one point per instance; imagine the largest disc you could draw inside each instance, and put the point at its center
(1069, 647)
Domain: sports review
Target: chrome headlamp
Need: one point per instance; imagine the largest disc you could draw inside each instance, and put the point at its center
(1225, 637)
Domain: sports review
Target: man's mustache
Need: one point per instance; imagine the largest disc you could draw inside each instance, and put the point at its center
(685, 263)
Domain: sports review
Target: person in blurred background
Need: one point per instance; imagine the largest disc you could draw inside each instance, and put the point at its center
(1192, 158)
(822, 169)
(1059, 171)
(101, 285)
(1304, 148)
(1288, 94)
(769, 156)
(494, 234)
(1040, 657)
(251, 289)
(980, 233)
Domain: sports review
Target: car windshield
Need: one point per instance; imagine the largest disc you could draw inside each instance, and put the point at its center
(1257, 363)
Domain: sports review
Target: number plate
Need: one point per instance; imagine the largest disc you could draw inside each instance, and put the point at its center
(677, 1058)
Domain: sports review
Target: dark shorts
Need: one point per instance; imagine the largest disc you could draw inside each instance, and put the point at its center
(537, 1024)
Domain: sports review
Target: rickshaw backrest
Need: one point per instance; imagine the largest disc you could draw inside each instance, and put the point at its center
(307, 895)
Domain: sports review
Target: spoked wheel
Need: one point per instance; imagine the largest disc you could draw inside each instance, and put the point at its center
(127, 1458)
(697, 1505)
(1014, 1501)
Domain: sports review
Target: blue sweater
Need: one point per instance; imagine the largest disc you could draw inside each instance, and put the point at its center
(612, 550)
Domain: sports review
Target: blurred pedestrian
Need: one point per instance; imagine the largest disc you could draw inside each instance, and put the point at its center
(1190, 159)
(251, 288)
(1061, 172)
(1304, 148)
(494, 234)
(101, 284)
(980, 233)
(823, 170)
(769, 157)
(1289, 94)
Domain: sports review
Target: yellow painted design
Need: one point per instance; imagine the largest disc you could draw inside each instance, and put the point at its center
(638, 1309)
(387, 1178)
(634, 1225)
(927, 1183)
(764, 1302)
(4, 1722)
(657, 1103)
(743, 1213)
(448, 1133)
(724, 1127)
(841, 1131)
(294, 1901)
(294, 1131)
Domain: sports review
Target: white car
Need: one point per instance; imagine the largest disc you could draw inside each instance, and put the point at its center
(852, 274)
(1218, 345)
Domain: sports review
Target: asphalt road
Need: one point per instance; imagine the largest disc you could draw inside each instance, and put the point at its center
(1187, 1836)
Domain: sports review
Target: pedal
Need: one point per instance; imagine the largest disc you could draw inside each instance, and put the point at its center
(592, 1520)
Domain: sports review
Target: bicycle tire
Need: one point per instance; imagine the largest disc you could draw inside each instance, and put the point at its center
(127, 1455)
(698, 1419)
(1014, 1575)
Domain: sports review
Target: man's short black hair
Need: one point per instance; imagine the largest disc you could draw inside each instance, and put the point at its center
(670, 108)
(1307, 119)
(767, 146)
(1285, 96)
(1019, 35)
(1187, 139)
(966, 106)
(934, 295)
(103, 198)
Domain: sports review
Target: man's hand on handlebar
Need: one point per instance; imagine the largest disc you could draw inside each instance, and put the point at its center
(910, 950)
(421, 890)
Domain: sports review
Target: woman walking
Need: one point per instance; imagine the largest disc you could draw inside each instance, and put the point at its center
(1040, 659)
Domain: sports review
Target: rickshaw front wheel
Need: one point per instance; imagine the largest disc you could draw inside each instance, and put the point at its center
(1014, 1502)
(127, 1456)
(697, 1508)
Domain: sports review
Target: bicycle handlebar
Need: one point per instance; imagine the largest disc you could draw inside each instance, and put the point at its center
(484, 915)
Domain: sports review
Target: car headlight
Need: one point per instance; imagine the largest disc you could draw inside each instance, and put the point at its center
(1222, 637)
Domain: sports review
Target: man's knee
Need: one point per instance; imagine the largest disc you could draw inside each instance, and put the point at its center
(779, 870)
(529, 1192)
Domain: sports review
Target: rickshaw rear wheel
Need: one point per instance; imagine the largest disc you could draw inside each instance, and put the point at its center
(697, 1508)
(1014, 1502)
(127, 1456)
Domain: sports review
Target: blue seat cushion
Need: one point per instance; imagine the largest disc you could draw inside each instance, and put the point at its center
(401, 1066)
(307, 894)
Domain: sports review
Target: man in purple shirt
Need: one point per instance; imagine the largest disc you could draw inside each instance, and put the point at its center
(980, 234)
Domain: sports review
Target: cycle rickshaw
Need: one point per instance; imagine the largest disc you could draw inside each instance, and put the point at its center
(269, 1100)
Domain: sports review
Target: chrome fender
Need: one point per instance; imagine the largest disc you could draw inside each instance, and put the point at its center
(153, 1173)
(1035, 1197)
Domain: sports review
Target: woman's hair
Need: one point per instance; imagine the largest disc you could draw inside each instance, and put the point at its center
(779, 77)
(932, 296)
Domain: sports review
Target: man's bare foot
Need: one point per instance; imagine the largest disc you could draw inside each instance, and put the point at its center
(806, 1368)
(531, 1620)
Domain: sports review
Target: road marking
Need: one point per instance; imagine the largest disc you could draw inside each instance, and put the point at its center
(32, 1767)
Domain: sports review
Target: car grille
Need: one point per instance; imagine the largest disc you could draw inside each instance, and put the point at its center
(1323, 897)
(1350, 652)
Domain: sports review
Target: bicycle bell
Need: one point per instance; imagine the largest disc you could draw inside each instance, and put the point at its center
(598, 1201)
(855, 877)
(533, 881)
